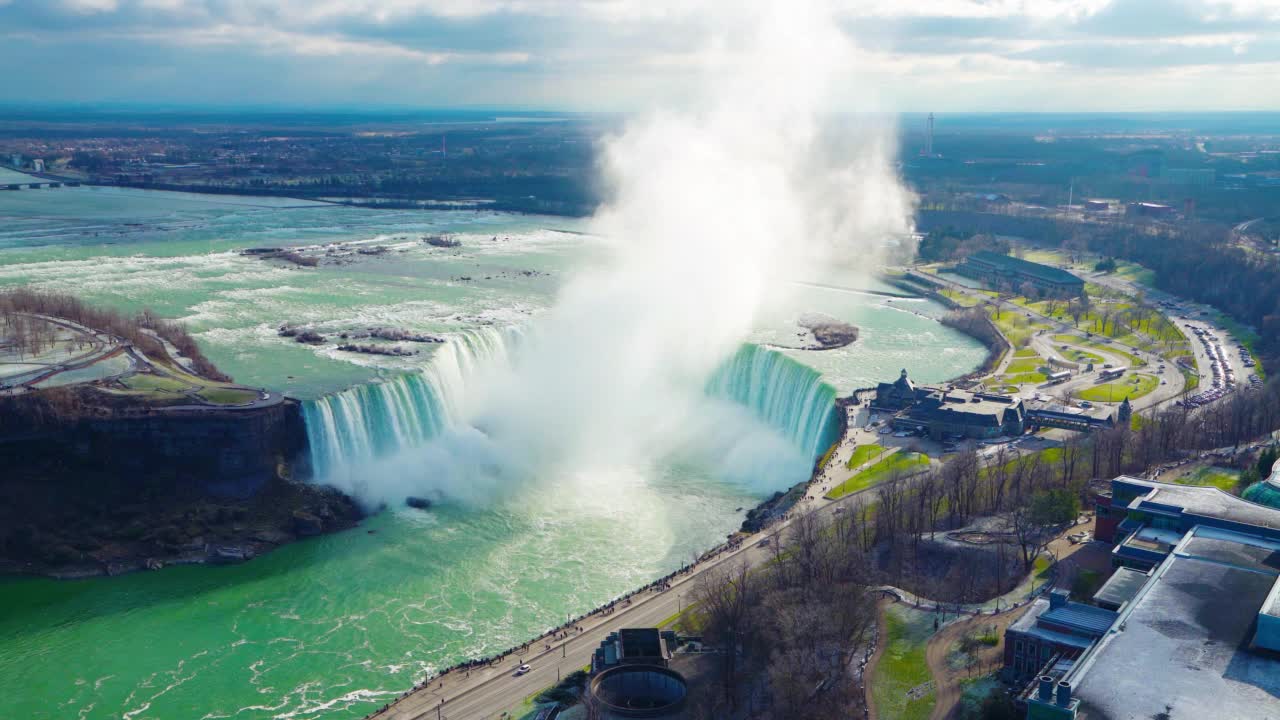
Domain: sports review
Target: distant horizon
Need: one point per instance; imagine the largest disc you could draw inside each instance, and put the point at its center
(949, 56)
(144, 106)
(14, 116)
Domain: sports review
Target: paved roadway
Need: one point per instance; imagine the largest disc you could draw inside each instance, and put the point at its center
(1188, 312)
(105, 346)
(489, 692)
(1047, 347)
(486, 693)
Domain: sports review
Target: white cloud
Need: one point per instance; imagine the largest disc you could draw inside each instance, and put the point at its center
(1264, 9)
(271, 40)
(620, 53)
(91, 6)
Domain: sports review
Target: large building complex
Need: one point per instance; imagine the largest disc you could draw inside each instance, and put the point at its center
(1187, 627)
(1011, 272)
(949, 412)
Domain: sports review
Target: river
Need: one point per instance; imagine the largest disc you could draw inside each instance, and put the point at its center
(334, 626)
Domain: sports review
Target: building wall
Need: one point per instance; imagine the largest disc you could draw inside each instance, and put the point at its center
(1268, 633)
(987, 272)
(1107, 519)
(1025, 655)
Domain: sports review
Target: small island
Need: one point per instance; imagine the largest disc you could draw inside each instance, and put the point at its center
(441, 241)
(823, 332)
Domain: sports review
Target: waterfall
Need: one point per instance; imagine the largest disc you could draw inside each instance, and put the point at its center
(378, 419)
(783, 393)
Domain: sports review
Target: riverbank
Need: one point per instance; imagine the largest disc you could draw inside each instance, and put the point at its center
(102, 489)
(125, 448)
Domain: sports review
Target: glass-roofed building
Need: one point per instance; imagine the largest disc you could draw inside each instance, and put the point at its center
(1265, 492)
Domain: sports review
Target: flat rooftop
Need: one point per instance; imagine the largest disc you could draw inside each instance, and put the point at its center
(640, 642)
(1013, 264)
(1181, 648)
(1208, 502)
(1086, 622)
(1121, 587)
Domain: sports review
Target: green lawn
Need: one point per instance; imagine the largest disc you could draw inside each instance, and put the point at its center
(901, 680)
(1192, 378)
(228, 396)
(1115, 315)
(959, 298)
(1041, 566)
(1082, 357)
(863, 453)
(1131, 386)
(1048, 455)
(1076, 340)
(1225, 479)
(1015, 325)
(1025, 353)
(1135, 273)
(155, 383)
(903, 462)
(1024, 365)
(1027, 378)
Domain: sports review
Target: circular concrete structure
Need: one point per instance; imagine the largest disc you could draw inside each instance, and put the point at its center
(639, 691)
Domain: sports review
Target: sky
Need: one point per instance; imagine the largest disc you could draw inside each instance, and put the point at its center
(627, 55)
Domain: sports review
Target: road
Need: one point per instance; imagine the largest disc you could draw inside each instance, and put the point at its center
(101, 347)
(1185, 314)
(488, 692)
(1173, 381)
(104, 346)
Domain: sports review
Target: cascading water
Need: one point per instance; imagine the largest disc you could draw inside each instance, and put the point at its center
(781, 392)
(379, 419)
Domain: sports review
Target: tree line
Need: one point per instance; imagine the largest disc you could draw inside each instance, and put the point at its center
(788, 629)
(1200, 262)
(31, 336)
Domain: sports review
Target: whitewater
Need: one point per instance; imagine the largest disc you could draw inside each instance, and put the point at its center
(350, 431)
(336, 625)
(602, 413)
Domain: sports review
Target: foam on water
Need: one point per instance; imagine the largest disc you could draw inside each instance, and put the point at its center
(350, 428)
(369, 421)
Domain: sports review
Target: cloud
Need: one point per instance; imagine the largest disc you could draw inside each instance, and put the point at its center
(621, 54)
(91, 6)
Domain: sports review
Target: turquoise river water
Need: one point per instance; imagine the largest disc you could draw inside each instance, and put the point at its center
(335, 626)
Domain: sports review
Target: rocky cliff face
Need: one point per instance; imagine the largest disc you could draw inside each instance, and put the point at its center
(224, 453)
(121, 487)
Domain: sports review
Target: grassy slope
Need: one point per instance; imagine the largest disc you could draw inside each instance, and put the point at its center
(902, 665)
(1224, 479)
(863, 453)
(905, 462)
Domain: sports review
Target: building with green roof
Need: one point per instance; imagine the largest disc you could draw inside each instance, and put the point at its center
(1265, 492)
(1010, 272)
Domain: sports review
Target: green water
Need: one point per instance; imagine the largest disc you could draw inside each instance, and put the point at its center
(328, 626)
(334, 626)
(178, 255)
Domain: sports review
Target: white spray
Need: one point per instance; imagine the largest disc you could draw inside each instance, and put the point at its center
(714, 206)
